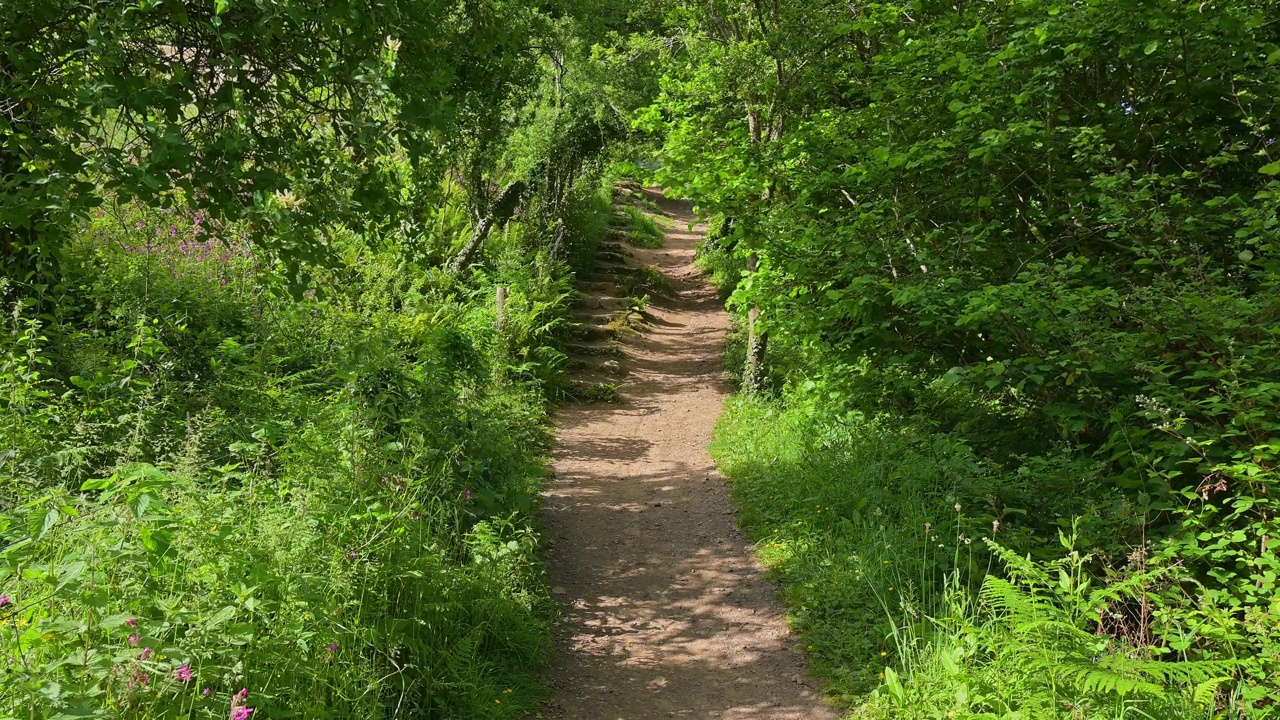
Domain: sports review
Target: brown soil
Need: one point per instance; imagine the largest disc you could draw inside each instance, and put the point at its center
(666, 612)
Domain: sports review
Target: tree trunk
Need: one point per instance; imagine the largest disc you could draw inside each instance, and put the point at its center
(757, 340)
(503, 209)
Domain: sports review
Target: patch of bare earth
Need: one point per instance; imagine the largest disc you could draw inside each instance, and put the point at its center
(666, 612)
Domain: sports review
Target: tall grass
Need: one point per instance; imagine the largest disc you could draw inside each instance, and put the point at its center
(915, 600)
(213, 496)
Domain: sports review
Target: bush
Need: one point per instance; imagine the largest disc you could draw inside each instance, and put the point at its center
(209, 487)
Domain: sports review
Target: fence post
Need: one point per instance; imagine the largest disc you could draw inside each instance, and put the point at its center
(500, 306)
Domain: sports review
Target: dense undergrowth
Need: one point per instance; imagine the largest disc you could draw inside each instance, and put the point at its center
(269, 444)
(1002, 271)
(211, 487)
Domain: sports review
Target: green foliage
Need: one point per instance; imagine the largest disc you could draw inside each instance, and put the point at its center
(208, 483)
(874, 518)
(327, 502)
(643, 230)
(1046, 230)
(281, 114)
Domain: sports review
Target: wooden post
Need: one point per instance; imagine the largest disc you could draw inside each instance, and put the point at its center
(500, 306)
(757, 340)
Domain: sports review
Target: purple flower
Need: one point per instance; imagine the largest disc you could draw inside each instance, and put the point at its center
(467, 494)
(143, 679)
(134, 639)
(5, 600)
(333, 647)
(146, 653)
(183, 673)
(241, 713)
(131, 622)
(207, 692)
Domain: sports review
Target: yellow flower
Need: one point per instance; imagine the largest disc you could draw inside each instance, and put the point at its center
(881, 676)
(884, 654)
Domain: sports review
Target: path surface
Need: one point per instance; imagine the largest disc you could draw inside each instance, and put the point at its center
(666, 612)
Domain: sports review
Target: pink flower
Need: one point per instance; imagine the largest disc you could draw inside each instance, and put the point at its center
(241, 713)
(333, 647)
(143, 679)
(134, 639)
(131, 622)
(207, 692)
(146, 653)
(5, 600)
(183, 673)
(467, 494)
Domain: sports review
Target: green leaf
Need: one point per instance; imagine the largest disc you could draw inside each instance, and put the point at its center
(41, 522)
(894, 686)
(1151, 47)
(1270, 169)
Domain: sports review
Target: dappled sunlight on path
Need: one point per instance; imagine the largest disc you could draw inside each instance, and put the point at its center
(666, 612)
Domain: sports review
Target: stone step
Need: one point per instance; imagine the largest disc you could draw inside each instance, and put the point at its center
(597, 286)
(604, 302)
(593, 332)
(583, 349)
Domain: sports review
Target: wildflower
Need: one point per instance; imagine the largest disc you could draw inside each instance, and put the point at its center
(5, 600)
(134, 639)
(241, 713)
(207, 692)
(143, 678)
(146, 653)
(467, 494)
(957, 507)
(927, 528)
(995, 526)
(333, 647)
(131, 622)
(884, 654)
(183, 673)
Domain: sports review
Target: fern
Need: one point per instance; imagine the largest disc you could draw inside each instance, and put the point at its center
(1035, 630)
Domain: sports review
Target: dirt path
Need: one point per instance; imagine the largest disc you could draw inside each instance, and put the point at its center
(666, 612)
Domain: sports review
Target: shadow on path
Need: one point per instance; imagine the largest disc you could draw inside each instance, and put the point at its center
(666, 613)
